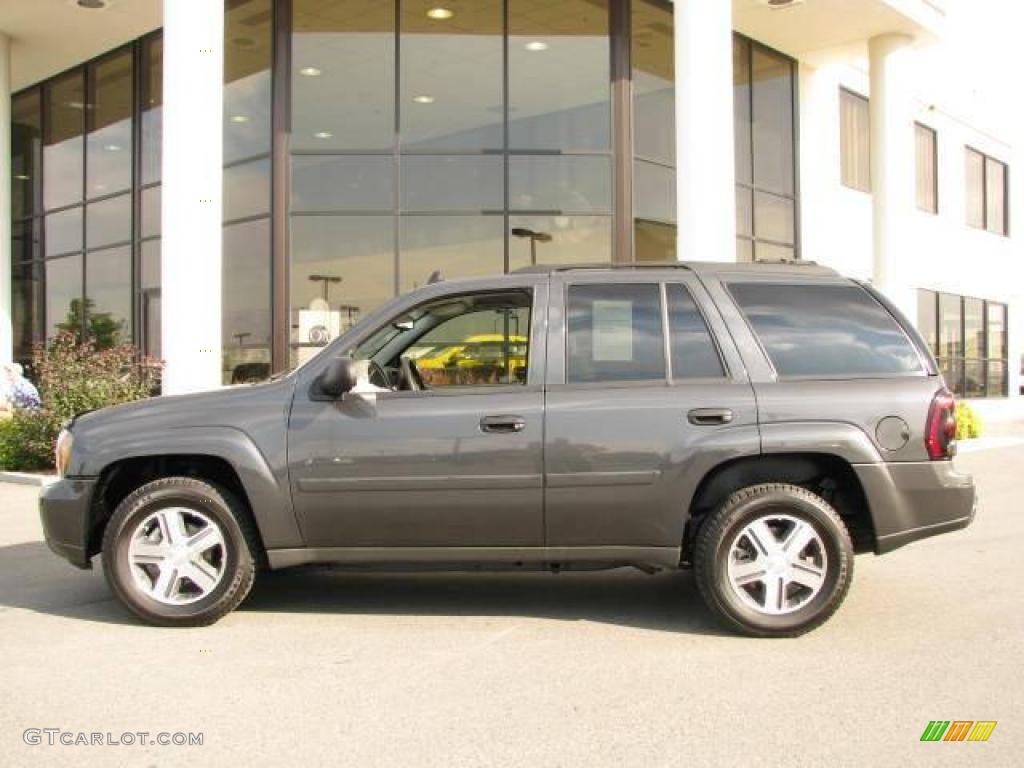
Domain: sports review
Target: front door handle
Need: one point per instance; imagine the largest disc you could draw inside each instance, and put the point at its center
(502, 424)
(706, 417)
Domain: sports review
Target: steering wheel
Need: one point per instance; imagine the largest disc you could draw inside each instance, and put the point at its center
(410, 375)
(377, 375)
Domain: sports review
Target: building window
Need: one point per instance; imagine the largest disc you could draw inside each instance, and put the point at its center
(854, 140)
(764, 100)
(968, 337)
(465, 156)
(652, 60)
(927, 179)
(986, 192)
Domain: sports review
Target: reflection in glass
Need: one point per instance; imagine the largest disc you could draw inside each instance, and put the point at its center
(926, 181)
(773, 217)
(855, 141)
(26, 148)
(572, 110)
(654, 191)
(996, 318)
(744, 211)
(63, 152)
(109, 141)
(343, 79)
(559, 240)
(974, 328)
(149, 297)
(574, 184)
(64, 295)
(108, 222)
(64, 232)
(451, 95)
(926, 310)
(974, 188)
(772, 120)
(951, 343)
(246, 324)
(741, 108)
(693, 353)
(342, 267)
(825, 330)
(653, 62)
(654, 241)
(246, 189)
(108, 303)
(152, 108)
(27, 296)
(614, 333)
(452, 183)
(24, 241)
(995, 196)
(342, 183)
(455, 246)
(996, 383)
(247, 55)
(151, 210)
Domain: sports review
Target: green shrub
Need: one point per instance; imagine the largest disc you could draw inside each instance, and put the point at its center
(968, 422)
(72, 376)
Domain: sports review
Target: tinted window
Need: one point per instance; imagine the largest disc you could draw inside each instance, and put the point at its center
(825, 330)
(615, 333)
(693, 352)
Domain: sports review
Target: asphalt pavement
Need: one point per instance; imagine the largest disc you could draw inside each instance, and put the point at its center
(325, 667)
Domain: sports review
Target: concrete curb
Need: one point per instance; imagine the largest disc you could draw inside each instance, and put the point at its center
(26, 478)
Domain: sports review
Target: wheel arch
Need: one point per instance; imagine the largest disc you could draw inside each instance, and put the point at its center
(226, 457)
(827, 475)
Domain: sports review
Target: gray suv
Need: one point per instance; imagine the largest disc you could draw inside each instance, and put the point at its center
(758, 423)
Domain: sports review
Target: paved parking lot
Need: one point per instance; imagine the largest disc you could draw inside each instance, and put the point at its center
(324, 667)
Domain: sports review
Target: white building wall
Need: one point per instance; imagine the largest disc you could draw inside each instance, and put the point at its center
(941, 251)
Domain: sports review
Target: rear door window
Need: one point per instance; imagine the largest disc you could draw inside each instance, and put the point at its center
(828, 331)
(694, 355)
(615, 333)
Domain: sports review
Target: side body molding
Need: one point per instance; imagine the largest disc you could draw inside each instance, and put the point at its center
(268, 496)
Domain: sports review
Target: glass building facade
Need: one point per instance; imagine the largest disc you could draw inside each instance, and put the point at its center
(369, 145)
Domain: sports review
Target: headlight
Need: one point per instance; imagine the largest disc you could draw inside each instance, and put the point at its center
(63, 452)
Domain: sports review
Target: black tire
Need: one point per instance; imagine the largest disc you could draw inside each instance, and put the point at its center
(240, 551)
(712, 553)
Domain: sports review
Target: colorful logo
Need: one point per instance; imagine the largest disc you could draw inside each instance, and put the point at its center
(958, 730)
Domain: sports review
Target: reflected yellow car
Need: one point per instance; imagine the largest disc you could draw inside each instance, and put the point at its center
(478, 359)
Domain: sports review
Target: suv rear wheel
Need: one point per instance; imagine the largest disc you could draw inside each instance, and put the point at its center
(774, 560)
(180, 552)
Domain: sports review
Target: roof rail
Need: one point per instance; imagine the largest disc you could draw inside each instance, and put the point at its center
(547, 269)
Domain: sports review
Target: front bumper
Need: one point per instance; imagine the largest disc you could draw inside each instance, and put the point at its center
(915, 500)
(64, 510)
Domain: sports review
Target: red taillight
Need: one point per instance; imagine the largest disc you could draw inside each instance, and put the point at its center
(940, 431)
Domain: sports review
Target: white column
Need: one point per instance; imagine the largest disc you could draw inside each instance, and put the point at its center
(892, 165)
(705, 164)
(191, 214)
(6, 299)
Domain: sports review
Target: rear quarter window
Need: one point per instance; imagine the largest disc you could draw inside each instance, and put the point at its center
(828, 331)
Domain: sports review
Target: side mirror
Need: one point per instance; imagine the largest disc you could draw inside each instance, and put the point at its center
(337, 378)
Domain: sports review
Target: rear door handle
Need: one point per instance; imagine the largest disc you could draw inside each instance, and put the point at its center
(706, 417)
(502, 424)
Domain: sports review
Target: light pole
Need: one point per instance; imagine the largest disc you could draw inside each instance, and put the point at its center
(327, 280)
(535, 237)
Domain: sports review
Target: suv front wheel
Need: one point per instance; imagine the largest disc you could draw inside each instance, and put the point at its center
(774, 560)
(180, 552)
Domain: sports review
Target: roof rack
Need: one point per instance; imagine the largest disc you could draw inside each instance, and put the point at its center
(547, 269)
(692, 266)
